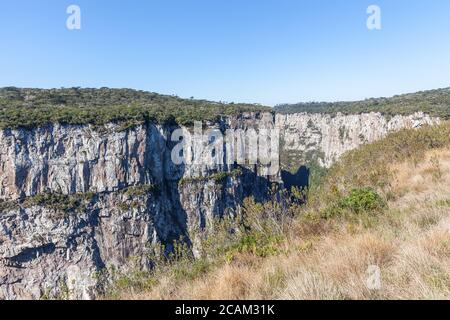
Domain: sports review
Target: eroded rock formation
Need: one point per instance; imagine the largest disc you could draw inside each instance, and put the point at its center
(324, 138)
(77, 199)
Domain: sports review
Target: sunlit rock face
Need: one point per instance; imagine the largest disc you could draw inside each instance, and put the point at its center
(324, 138)
(124, 194)
(119, 193)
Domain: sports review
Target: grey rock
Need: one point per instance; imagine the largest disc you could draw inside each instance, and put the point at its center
(46, 252)
(49, 252)
(325, 138)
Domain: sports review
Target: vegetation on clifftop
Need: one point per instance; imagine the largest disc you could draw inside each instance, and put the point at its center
(36, 107)
(432, 102)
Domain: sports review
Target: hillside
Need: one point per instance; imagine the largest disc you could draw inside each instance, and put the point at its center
(35, 107)
(394, 217)
(435, 103)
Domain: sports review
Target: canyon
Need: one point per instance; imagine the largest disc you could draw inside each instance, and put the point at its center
(80, 199)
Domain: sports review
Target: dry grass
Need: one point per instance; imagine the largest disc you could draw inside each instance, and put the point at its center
(409, 242)
(427, 181)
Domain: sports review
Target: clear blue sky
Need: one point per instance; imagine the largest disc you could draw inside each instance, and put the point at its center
(265, 51)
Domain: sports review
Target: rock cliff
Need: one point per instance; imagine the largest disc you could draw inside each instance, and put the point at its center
(323, 138)
(77, 199)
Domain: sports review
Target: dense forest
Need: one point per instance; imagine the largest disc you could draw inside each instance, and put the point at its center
(433, 102)
(36, 107)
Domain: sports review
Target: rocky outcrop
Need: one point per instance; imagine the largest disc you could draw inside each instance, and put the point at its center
(76, 200)
(109, 195)
(324, 138)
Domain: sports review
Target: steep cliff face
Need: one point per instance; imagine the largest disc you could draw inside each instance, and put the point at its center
(77, 199)
(323, 138)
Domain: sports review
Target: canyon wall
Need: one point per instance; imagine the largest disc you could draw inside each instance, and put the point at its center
(324, 138)
(78, 199)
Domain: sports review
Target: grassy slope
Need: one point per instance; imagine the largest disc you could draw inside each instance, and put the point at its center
(433, 102)
(325, 250)
(35, 107)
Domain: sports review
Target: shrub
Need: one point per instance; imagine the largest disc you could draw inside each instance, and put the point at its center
(363, 200)
(217, 178)
(60, 202)
(140, 190)
(257, 244)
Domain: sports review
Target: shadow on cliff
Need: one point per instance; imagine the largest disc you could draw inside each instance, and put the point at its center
(172, 224)
(254, 185)
(185, 204)
(300, 179)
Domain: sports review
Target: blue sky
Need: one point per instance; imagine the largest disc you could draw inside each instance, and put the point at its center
(262, 51)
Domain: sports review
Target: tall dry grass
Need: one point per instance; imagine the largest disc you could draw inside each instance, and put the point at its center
(409, 241)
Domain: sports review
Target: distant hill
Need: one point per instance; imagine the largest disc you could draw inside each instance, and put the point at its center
(432, 102)
(35, 107)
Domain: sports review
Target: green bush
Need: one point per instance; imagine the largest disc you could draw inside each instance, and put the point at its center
(218, 177)
(363, 200)
(140, 190)
(358, 202)
(190, 269)
(59, 202)
(257, 244)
